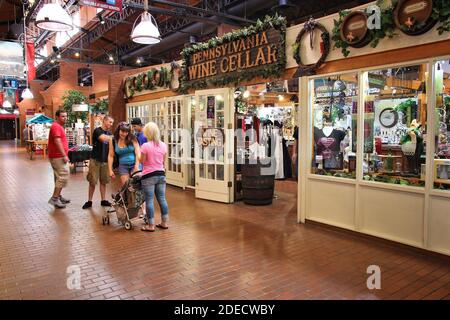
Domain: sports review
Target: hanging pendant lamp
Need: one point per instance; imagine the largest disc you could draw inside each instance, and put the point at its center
(27, 94)
(54, 18)
(146, 32)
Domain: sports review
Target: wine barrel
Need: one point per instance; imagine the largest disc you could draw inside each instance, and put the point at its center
(414, 17)
(354, 30)
(257, 188)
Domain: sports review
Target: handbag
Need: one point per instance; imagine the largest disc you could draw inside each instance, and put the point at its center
(116, 158)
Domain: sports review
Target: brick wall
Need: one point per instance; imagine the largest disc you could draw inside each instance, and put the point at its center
(69, 80)
(51, 99)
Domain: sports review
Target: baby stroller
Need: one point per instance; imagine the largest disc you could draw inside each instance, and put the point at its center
(127, 203)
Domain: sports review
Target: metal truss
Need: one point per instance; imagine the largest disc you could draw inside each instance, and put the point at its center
(181, 16)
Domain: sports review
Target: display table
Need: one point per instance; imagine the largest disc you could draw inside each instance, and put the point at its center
(33, 145)
(79, 159)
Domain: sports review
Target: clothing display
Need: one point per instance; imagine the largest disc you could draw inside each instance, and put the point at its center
(328, 146)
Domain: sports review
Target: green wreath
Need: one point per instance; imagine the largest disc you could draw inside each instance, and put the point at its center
(310, 69)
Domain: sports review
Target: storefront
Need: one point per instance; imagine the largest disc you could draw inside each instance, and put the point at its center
(374, 140)
(374, 150)
(209, 131)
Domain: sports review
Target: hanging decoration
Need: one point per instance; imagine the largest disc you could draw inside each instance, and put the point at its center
(148, 80)
(309, 29)
(255, 51)
(350, 30)
(414, 17)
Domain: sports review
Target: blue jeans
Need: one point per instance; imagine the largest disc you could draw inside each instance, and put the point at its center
(152, 185)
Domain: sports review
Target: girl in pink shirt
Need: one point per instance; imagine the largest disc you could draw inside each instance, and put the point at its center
(153, 154)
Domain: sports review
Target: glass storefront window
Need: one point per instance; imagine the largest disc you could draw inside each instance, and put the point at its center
(441, 165)
(395, 104)
(334, 111)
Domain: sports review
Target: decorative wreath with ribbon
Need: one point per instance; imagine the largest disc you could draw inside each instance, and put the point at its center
(309, 28)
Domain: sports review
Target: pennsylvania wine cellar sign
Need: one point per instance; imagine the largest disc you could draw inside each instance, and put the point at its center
(256, 51)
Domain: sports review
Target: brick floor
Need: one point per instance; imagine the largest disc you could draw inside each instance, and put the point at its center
(211, 251)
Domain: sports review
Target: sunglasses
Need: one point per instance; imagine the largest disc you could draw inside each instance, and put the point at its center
(124, 125)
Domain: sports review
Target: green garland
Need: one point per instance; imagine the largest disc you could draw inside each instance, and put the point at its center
(387, 28)
(100, 107)
(155, 78)
(441, 13)
(273, 71)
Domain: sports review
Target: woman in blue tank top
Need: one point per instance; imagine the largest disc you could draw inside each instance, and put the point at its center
(126, 148)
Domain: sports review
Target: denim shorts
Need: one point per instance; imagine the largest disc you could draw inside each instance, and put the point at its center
(125, 169)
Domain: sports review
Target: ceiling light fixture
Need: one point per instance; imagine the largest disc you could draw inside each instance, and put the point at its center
(54, 18)
(26, 94)
(146, 32)
(58, 56)
(138, 61)
(7, 105)
(77, 54)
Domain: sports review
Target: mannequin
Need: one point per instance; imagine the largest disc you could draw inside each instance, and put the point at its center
(327, 129)
(328, 144)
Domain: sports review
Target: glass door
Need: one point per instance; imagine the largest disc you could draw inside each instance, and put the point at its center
(188, 139)
(213, 145)
(174, 116)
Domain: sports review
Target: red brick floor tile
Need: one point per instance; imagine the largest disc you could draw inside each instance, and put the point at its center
(211, 251)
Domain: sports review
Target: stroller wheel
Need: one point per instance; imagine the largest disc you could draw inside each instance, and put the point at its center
(105, 220)
(128, 225)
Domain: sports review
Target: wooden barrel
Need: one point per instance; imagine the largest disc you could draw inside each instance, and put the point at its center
(354, 30)
(414, 17)
(257, 187)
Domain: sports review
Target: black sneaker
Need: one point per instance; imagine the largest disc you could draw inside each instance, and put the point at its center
(105, 203)
(87, 205)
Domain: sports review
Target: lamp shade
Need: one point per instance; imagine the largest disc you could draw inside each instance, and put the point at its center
(54, 18)
(146, 32)
(27, 94)
(7, 104)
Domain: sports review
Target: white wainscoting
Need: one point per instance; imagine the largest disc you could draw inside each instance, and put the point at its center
(331, 202)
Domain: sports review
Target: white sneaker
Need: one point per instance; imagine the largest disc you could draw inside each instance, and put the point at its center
(57, 203)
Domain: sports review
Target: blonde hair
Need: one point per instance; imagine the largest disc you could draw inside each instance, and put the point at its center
(151, 132)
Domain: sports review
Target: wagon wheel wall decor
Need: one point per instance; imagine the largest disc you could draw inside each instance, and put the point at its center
(414, 17)
(309, 28)
(354, 30)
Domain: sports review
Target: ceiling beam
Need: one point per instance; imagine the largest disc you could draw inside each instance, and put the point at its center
(204, 11)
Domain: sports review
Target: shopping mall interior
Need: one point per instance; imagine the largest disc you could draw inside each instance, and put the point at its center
(224, 150)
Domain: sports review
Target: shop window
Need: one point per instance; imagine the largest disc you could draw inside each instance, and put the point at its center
(334, 111)
(395, 106)
(85, 77)
(441, 166)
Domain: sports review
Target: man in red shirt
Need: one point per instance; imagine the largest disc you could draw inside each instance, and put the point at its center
(58, 149)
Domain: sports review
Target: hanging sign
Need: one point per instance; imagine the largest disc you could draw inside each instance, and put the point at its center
(112, 5)
(257, 51)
